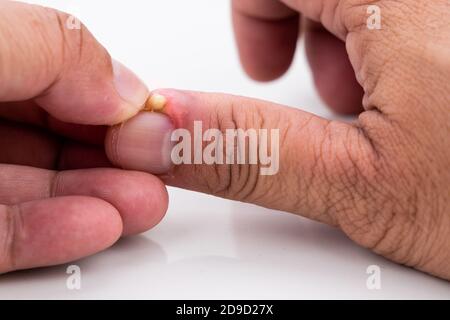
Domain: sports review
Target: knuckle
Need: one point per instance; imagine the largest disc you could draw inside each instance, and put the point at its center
(396, 52)
(395, 218)
(360, 196)
(238, 177)
(405, 213)
(393, 230)
(344, 170)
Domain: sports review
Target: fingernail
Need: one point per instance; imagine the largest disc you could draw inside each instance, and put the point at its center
(143, 143)
(129, 86)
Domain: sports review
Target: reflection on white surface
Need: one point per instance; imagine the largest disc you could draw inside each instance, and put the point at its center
(209, 248)
(212, 248)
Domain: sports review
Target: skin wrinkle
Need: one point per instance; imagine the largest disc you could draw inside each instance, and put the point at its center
(51, 55)
(251, 184)
(432, 238)
(55, 78)
(77, 33)
(301, 201)
(238, 122)
(62, 33)
(113, 143)
(14, 224)
(216, 169)
(385, 221)
(347, 156)
(405, 251)
(371, 210)
(326, 139)
(231, 124)
(252, 180)
(5, 239)
(392, 149)
(383, 180)
(311, 187)
(54, 186)
(10, 237)
(438, 253)
(362, 175)
(5, 53)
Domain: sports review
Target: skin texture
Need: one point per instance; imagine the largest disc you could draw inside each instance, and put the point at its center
(385, 179)
(55, 206)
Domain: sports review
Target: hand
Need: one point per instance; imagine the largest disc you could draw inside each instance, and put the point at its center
(59, 90)
(385, 179)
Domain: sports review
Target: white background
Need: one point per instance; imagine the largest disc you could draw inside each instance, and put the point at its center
(210, 248)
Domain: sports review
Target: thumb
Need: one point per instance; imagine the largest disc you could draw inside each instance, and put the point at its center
(322, 169)
(48, 57)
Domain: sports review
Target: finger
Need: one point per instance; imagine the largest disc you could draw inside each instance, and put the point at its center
(376, 44)
(266, 34)
(74, 156)
(55, 231)
(28, 112)
(29, 146)
(333, 74)
(141, 199)
(147, 145)
(319, 159)
(338, 173)
(267, 41)
(66, 71)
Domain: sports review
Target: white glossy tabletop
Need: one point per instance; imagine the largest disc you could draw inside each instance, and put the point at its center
(210, 248)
